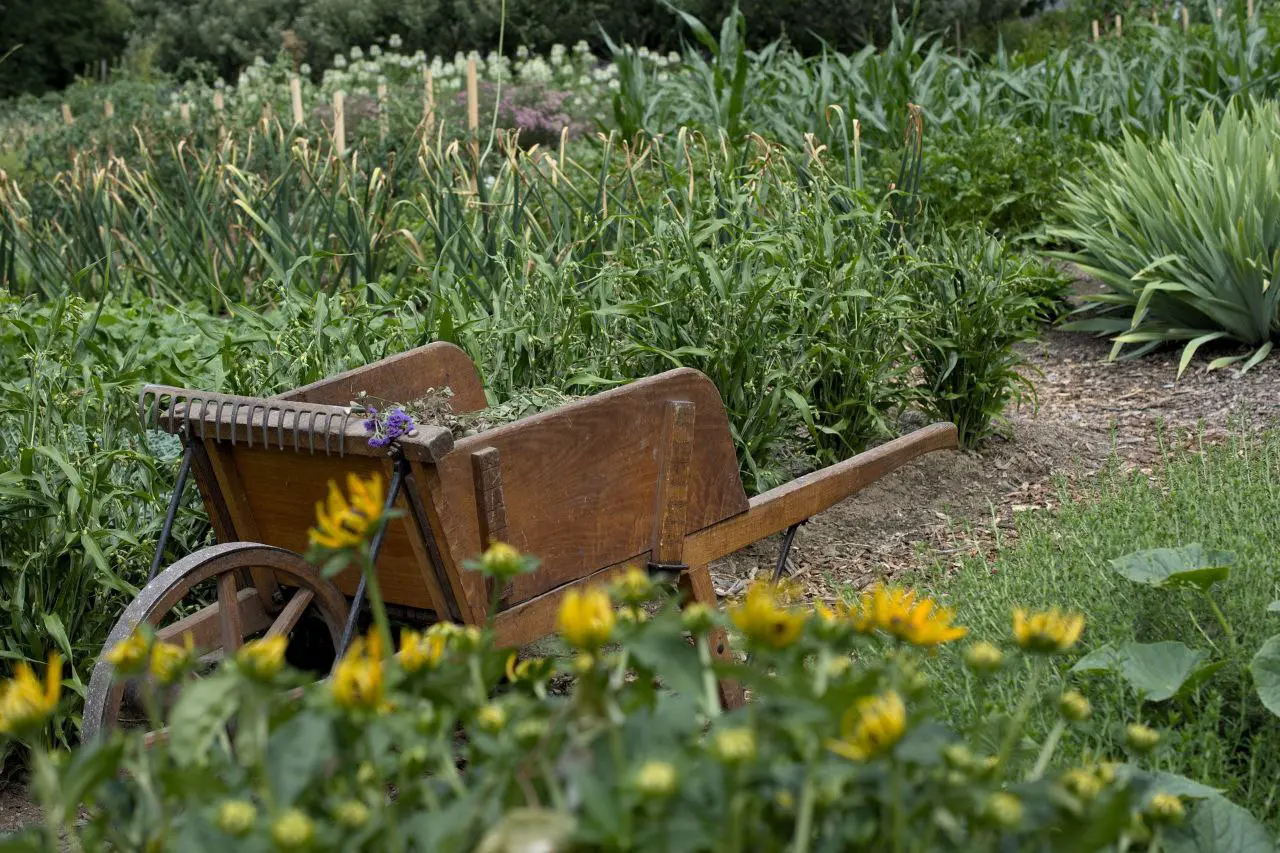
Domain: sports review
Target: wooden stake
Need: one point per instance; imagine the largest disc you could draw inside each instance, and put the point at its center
(218, 105)
(339, 123)
(473, 106)
(1096, 33)
(1248, 9)
(66, 115)
(1186, 19)
(959, 43)
(108, 109)
(1155, 18)
(1119, 28)
(382, 111)
(184, 112)
(295, 98)
(1219, 13)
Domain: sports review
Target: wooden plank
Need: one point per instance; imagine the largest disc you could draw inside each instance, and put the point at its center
(805, 497)
(205, 627)
(291, 613)
(490, 501)
(427, 555)
(403, 378)
(232, 628)
(536, 618)
(295, 101)
(673, 484)
(579, 480)
(234, 498)
(215, 506)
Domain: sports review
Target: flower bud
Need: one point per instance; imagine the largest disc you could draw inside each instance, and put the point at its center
(1074, 706)
(236, 817)
(1003, 809)
(1082, 783)
(366, 774)
(982, 657)
(1141, 739)
(352, 814)
(1166, 808)
(656, 779)
(958, 756)
(733, 746)
(502, 561)
(293, 830)
(697, 618)
(531, 731)
(491, 717)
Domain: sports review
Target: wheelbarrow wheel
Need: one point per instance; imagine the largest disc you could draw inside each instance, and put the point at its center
(218, 629)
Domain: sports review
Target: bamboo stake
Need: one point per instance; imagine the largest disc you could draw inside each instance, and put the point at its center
(1248, 9)
(184, 112)
(339, 123)
(382, 111)
(1096, 33)
(295, 98)
(959, 43)
(1219, 13)
(473, 107)
(428, 98)
(108, 109)
(1186, 19)
(266, 117)
(1119, 28)
(218, 105)
(66, 115)
(1155, 18)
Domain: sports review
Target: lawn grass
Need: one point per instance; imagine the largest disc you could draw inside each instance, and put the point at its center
(1226, 497)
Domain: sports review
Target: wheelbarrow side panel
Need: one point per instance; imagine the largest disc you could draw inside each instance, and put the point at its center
(403, 378)
(581, 481)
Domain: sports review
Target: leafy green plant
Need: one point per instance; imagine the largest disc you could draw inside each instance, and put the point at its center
(840, 748)
(1186, 235)
(971, 311)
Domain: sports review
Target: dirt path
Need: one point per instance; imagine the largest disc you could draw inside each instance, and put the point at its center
(952, 503)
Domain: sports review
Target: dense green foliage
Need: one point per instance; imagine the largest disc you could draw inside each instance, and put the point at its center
(1186, 235)
(1225, 497)
(828, 755)
(47, 45)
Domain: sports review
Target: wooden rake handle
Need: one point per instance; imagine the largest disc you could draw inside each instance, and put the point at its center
(805, 497)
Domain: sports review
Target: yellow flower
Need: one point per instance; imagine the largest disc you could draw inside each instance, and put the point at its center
(262, 659)
(129, 656)
(344, 523)
(873, 725)
(236, 817)
(420, 650)
(762, 618)
(502, 561)
(522, 670)
(1166, 808)
(635, 586)
(733, 746)
(656, 779)
(293, 830)
(358, 682)
(901, 613)
(1048, 631)
(24, 702)
(491, 717)
(586, 618)
(169, 661)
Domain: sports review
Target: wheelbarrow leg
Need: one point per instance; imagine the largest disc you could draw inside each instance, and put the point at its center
(174, 502)
(669, 531)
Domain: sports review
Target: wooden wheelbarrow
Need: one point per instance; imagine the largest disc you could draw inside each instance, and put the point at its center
(642, 474)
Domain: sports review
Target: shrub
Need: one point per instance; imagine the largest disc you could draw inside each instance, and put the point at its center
(1186, 235)
(840, 748)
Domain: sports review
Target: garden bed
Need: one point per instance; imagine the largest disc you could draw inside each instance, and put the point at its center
(953, 504)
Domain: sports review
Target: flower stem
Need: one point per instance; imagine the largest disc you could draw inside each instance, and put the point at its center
(376, 605)
(1046, 751)
(804, 820)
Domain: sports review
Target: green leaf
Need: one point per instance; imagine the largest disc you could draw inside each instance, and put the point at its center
(201, 712)
(1218, 825)
(1265, 667)
(297, 753)
(1191, 565)
(1170, 783)
(1105, 659)
(1160, 671)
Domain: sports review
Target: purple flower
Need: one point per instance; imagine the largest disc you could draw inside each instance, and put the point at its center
(398, 424)
(371, 423)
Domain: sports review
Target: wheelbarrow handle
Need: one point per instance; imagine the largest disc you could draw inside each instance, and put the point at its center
(804, 497)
